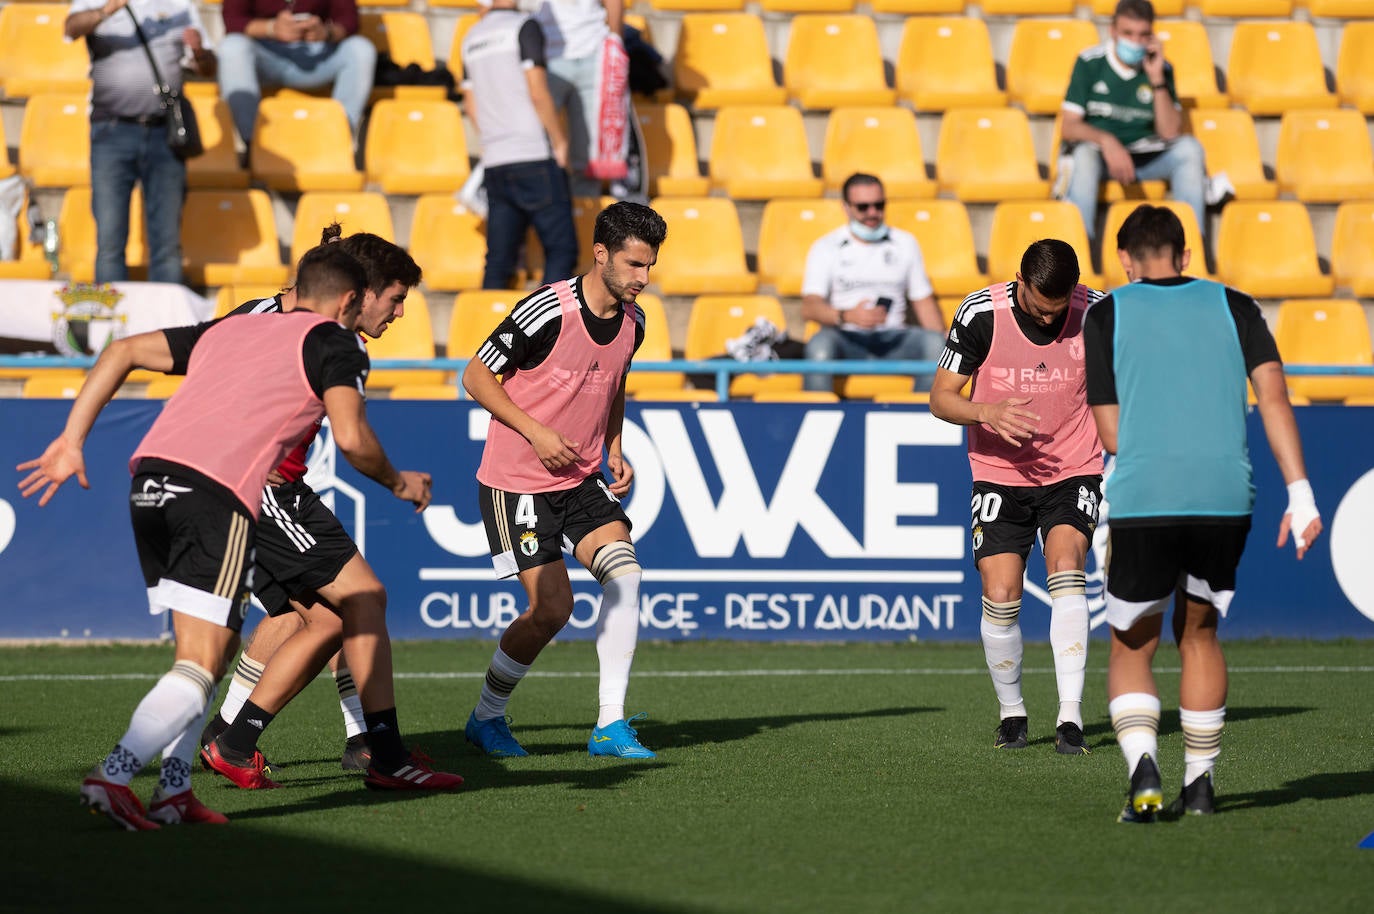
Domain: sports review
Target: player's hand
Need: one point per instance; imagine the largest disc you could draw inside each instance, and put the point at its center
(314, 29)
(286, 27)
(1120, 165)
(552, 449)
(622, 475)
(275, 478)
(414, 487)
(865, 316)
(1010, 421)
(60, 461)
(1301, 518)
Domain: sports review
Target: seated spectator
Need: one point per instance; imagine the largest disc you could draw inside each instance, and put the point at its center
(1121, 111)
(299, 44)
(859, 281)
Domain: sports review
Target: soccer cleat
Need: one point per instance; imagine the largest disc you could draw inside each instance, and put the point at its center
(1195, 799)
(1068, 739)
(415, 774)
(183, 809)
(1144, 797)
(356, 754)
(249, 775)
(1011, 734)
(116, 801)
(618, 739)
(493, 737)
(213, 729)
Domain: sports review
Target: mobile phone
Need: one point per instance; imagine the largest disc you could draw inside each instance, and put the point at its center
(301, 17)
(885, 303)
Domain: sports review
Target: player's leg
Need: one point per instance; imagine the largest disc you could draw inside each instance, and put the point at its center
(1003, 528)
(1066, 550)
(356, 755)
(261, 645)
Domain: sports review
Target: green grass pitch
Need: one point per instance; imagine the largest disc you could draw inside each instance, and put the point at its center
(845, 778)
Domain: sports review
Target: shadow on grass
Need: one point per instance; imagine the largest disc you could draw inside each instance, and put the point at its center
(1100, 733)
(1332, 785)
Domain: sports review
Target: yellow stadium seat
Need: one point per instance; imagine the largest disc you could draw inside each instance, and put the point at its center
(584, 212)
(1015, 225)
(453, 4)
(6, 168)
(723, 59)
(1027, 7)
(35, 56)
(1162, 8)
(27, 260)
(218, 166)
(76, 228)
(1275, 67)
(943, 230)
(1042, 55)
(1351, 244)
(230, 236)
(461, 26)
(807, 6)
(54, 387)
(424, 392)
(1325, 156)
(1113, 274)
(1355, 66)
(230, 297)
(916, 7)
(758, 153)
(416, 146)
(402, 36)
(409, 337)
(1188, 50)
(363, 211)
(163, 387)
(834, 59)
(55, 140)
(475, 316)
(704, 250)
(1230, 145)
(787, 230)
(986, 155)
(1111, 191)
(693, 6)
(879, 141)
(657, 347)
(303, 144)
(685, 395)
(796, 396)
(670, 152)
(1325, 332)
(1268, 250)
(1340, 9)
(910, 396)
(449, 241)
(946, 62)
(716, 319)
(1210, 8)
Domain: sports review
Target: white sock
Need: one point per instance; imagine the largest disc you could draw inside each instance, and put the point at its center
(175, 777)
(503, 676)
(246, 676)
(1135, 718)
(172, 705)
(350, 703)
(618, 626)
(1201, 741)
(1069, 641)
(1003, 649)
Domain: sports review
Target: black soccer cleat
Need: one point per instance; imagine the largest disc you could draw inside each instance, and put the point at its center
(356, 754)
(1145, 796)
(1068, 739)
(1012, 733)
(1195, 799)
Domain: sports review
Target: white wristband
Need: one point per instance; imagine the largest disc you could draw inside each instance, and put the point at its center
(1302, 510)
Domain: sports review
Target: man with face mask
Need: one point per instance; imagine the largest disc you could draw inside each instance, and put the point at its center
(1121, 114)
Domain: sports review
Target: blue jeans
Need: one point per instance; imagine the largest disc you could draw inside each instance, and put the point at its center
(914, 344)
(122, 153)
(246, 64)
(518, 196)
(1182, 165)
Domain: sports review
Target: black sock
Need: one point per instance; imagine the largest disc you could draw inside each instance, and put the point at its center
(384, 739)
(242, 735)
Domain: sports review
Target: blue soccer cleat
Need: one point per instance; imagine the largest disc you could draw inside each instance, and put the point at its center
(493, 737)
(619, 740)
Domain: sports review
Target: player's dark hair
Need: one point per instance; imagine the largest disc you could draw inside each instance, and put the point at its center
(1152, 231)
(1143, 10)
(327, 271)
(1050, 266)
(858, 179)
(384, 262)
(623, 220)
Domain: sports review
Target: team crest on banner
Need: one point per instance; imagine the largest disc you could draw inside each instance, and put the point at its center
(88, 321)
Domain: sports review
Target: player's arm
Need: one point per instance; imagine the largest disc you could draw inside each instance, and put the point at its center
(1107, 416)
(1009, 418)
(1099, 361)
(1281, 428)
(355, 439)
(553, 450)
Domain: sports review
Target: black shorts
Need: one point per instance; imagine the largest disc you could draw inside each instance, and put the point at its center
(1006, 518)
(195, 544)
(1145, 563)
(529, 530)
(301, 547)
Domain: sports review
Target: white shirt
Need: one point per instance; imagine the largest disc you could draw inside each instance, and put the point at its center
(847, 272)
(573, 28)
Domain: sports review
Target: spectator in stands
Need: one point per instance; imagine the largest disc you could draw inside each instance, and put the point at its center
(129, 125)
(1121, 110)
(301, 44)
(524, 150)
(858, 283)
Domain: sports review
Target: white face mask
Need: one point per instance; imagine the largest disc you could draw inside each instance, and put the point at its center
(864, 233)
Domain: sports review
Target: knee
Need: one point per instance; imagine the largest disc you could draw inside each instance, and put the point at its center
(1189, 158)
(365, 603)
(997, 592)
(234, 52)
(1087, 160)
(357, 51)
(823, 346)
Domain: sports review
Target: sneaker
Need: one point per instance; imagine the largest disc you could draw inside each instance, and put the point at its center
(1068, 739)
(116, 802)
(618, 739)
(1144, 797)
(249, 774)
(1011, 733)
(493, 737)
(356, 754)
(416, 773)
(183, 809)
(1195, 799)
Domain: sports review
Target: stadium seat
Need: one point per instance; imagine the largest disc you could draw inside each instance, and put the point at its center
(416, 146)
(1111, 191)
(1162, 8)
(1230, 145)
(76, 228)
(835, 60)
(1042, 55)
(943, 230)
(475, 315)
(230, 297)
(796, 396)
(6, 167)
(403, 36)
(461, 25)
(35, 56)
(584, 212)
(1355, 66)
(1325, 332)
(55, 140)
(758, 153)
(986, 155)
(916, 7)
(363, 211)
(723, 59)
(879, 141)
(807, 6)
(715, 319)
(303, 144)
(1275, 67)
(27, 260)
(1113, 274)
(424, 392)
(1351, 244)
(704, 250)
(787, 230)
(693, 6)
(449, 241)
(162, 388)
(218, 167)
(1340, 9)
(684, 395)
(670, 151)
(1325, 156)
(1268, 250)
(453, 4)
(657, 347)
(1188, 50)
(230, 236)
(53, 386)
(946, 62)
(1027, 7)
(410, 337)
(1016, 224)
(1278, 8)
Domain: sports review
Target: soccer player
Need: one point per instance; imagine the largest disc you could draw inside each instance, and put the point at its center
(1037, 466)
(1167, 358)
(563, 353)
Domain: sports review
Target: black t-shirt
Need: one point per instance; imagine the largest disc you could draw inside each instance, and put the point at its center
(970, 333)
(524, 339)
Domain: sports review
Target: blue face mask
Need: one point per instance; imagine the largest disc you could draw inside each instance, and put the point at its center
(1129, 52)
(864, 233)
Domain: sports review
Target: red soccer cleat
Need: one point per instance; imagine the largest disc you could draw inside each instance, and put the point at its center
(184, 809)
(415, 774)
(249, 777)
(116, 801)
